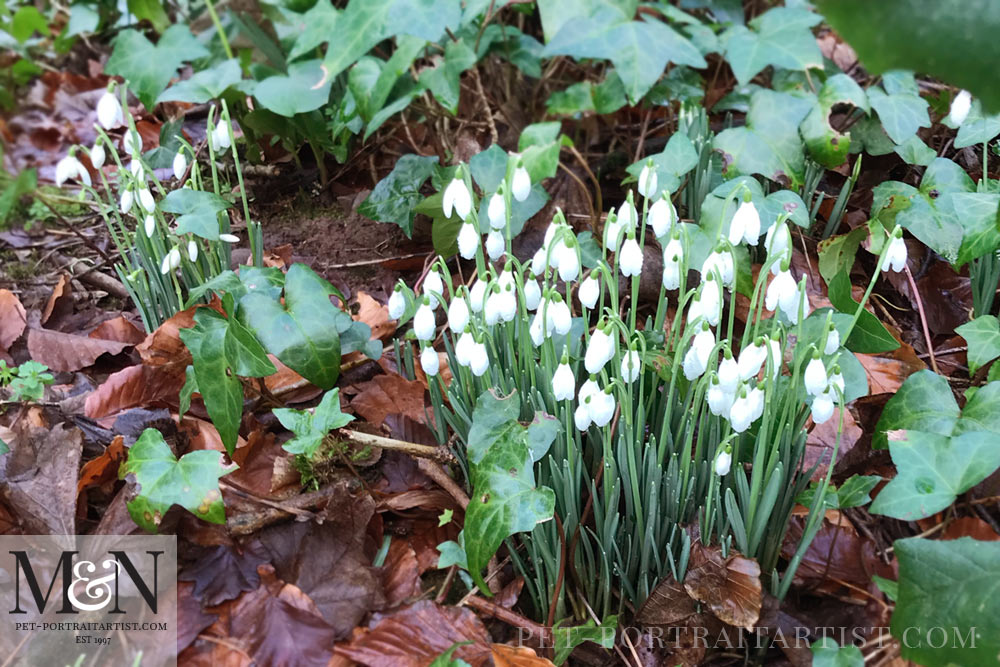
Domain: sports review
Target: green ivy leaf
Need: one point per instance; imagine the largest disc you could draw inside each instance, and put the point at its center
(922, 403)
(869, 335)
(828, 146)
(196, 210)
(305, 88)
(836, 254)
(555, 13)
(205, 85)
(977, 128)
(396, 195)
(605, 97)
(781, 37)
(828, 653)
(25, 22)
(162, 480)
(444, 78)
(983, 337)
(148, 68)
(311, 426)
(318, 24)
(676, 159)
(902, 113)
(567, 638)
(947, 608)
(915, 151)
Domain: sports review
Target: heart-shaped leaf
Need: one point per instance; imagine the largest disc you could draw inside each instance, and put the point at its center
(197, 211)
(311, 426)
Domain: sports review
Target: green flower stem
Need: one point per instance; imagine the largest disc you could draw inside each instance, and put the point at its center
(219, 29)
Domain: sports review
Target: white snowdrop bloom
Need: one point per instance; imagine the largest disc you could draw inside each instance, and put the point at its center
(614, 230)
(960, 107)
(751, 359)
(587, 389)
(491, 311)
(423, 322)
(537, 330)
(71, 168)
(495, 244)
(532, 294)
(589, 291)
(480, 362)
(791, 307)
(149, 225)
(146, 200)
(433, 286)
(465, 347)
(631, 367)
(220, 137)
(837, 380)
(581, 417)
(520, 184)
(756, 397)
(707, 303)
(477, 295)
(832, 341)
(550, 234)
(815, 378)
(456, 197)
(630, 257)
(397, 303)
(895, 256)
(599, 351)
(729, 373)
(179, 165)
(774, 357)
(563, 383)
(778, 242)
(741, 414)
(109, 111)
(673, 256)
(229, 238)
(135, 168)
(567, 262)
(193, 250)
(468, 240)
(507, 304)
(560, 317)
(538, 261)
(165, 264)
(171, 261)
(125, 202)
(132, 143)
(719, 400)
(723, 462)
(661, 216)
(496, 211)
(458, 314)
(745, 225)
(647, 181)
(822, 407)
(97, 156)
(628, 217)
(602, 408)
(782, 293)
(696, 359)
(506, 277)
(429, 361)
(721, 261)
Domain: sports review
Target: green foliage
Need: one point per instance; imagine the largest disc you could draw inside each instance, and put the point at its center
(312, 426)
(26, 382)
(676, 159)
(899, 106)
(567, 638)
(826, 145)
(163, 480)
(828, 653)
(779, 37)
(148, 67)
(923, 403)
(395, 196)
(196, 211)
(854, 492)
(982, 335)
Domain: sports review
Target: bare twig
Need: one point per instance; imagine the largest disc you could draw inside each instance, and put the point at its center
(413, 449)
(437, 473)
(923, 319)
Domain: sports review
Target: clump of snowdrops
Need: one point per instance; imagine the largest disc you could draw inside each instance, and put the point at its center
(171, 240)
(674, 421)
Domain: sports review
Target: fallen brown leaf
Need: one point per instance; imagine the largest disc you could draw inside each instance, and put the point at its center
(119, 329)
(887, 372)
(40, 476)
(400, 574)
(517, 656)
(60, 303)
(836, 555)
(375, 315)
(386, 395)
(13, 319)
(221, 572)
(729, 586)
(104, 467)
(133, 387)
(68, 352)
(970, 526)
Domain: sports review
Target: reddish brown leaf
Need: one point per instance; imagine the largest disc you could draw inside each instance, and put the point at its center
(68, 352)
(517, 656)
(837, 554)
(40, 478)
(400, 574)
(222, 572)
(970, 526)
(264, 466)
(288, 385)
(887, 372)
(729, 586)
(427, 535)
(823, 439)
(135, 386)
(667, 605)
(103, 468)
(388, 395)
(119, 329)
(375, 315)
(12, 319)
(413, 636)
(60, 303)
(191, 618)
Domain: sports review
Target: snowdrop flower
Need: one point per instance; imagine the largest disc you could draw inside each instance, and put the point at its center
(581, 417)
(631, 366)
(532, 294)
(109, 111)
(613, 230)
(662, 216)
(723, 462)
(71, 168)
(423, 322)
(720, 260)
(538, 260)
(822, 407)
(559, 317)
(837, 380)
(193, 250)
(220, 137)
(97, 156)
(782, 293)
(628, 217)
(647, 180)
(125, 203)
(707, 303)
(149, 226)
(741, 414)
(588, 389)
(132, 143)
(135, 168)
(729, 373)
(520, 184)
(537, 330)
(507, 304)
(751, 359)
(497, 211)
(590, 290)
(832, 340)
(745, 225)
(171, 261)
(465, 348)
(895, 256)
(433, 286)
(458, 314)
(778, 242)
(457, 197)
(397, 303)
(673, 255)
(602, 407)
(696, 359)
(480, 361)
(630, 257)
(477, 295)
(563, 382)
(719, 400)
(146, 200)
(180, 165)
(229, 238)
(960, 107)
(815, 379)
(429, 361)
(774, 356)
(494, 244)
(756, 398)
(506, 276)
(567, 261)
(468, 240)
(599, 351)
(491, 311)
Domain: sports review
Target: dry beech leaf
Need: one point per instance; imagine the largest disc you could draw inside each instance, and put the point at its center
(40, 479)
(887, 372)
(386, 395)
(375, 315)
(970, 526)
(400, 574)
(667, 605)
(517, 656)
(729, 586)
(102, 468)
(12, 319)
(68, 352)
(837, 554)
(119, 329)
(133, 387)
(60, 303)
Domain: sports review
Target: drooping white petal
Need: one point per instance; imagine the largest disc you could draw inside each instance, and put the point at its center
(822, 407)
(960, 107)
(778, 242)
(751, 359)
(464, 349)
(146, 200)
(508, 304)
(745, 225)
(180, 165)
(602, 408)
(532, 294)
(722, 463)
(563, 383)
(630, 258)
(477, 295)
(568, 263)
(495, 245)
(68, 168)
(468, 241)
(480, 361)
(458, 314)
(661, 216)
(562, 318)
(719, 400)
(832, 342)
(149, 225)
(175, 257)
(520, 184)
(429, 361)
(599, 351)
(125, 203)
(397, 304)
(229, 238)
(631, 366)
(497, 211)
(581, 417)
(589, 292)
(433, 286)
(647, 181)
(815, 378)
(491, 311)
(193, 250)
(97, 156)
(424, 325)
(896, 255)
(729, 374)
(109, 111)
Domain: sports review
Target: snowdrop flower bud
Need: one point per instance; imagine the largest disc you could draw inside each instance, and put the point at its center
(491, 312)
(480, 361)
(165, 264)
(628, 217)
(397, 303)
(71, 168)
(494, 244)
(465, 348)
(696, 359)
(837, 380)
(568, 261)
(477, 295)
(751, 359)
(458, 314)
(707, 303)
(599, 351)
(581, 417)
(538, 260)
(109, 111)
(630, 257)
(175, 258)
(613, 231)
(602, 407)
(146, 200)
(149, 225)
(559, 316)
(423, 322)
(433, 286)
(563, 382)
(590, 290)
(506, 276)
(756, 396)
(135, 168)
(832, 340)
(631, 366)
(662, 216)
(745, 225)
(588, 389)
(779, 244)
(497, 211)
(822, 407)
(229, 238)
(532, 294)
(193, 250)
(895, 256)
(673, 255)
(220, 137)
(774, 356)
(507, 304)
(729, 373)
(180, 165)
(723, 462)
(647, 180)
(815, 376)
(125, 202)
(429, 361)
(132, 143)
(97, 156)
(719, 400)
(520, 184)
(960, 107)
(468, 241)
(741, 414)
